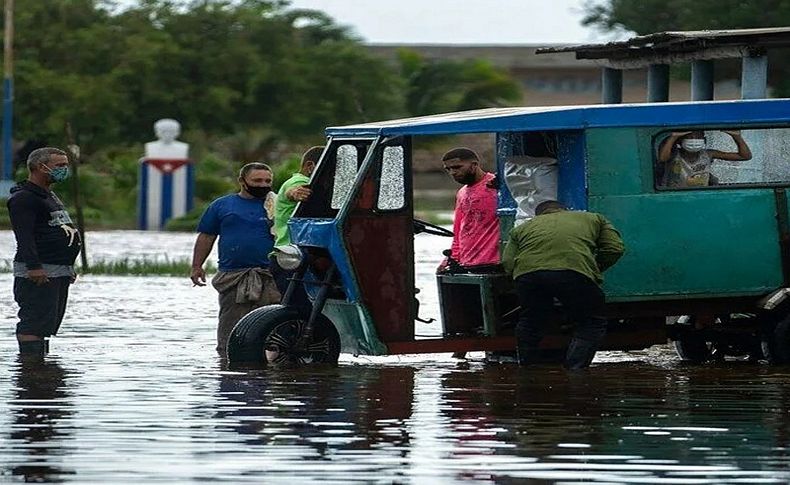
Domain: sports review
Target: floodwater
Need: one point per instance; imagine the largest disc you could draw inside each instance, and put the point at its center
(133, 392)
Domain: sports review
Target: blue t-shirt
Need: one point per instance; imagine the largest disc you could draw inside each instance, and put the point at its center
(245, 239)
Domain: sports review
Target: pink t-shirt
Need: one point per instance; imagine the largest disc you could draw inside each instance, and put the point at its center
(476, 225)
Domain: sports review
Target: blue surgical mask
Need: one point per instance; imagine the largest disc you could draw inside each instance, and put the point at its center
(59, 174)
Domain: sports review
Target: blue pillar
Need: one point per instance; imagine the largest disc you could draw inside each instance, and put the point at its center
(754, 76)
(658, 83)
(611, 86)
(702, 80)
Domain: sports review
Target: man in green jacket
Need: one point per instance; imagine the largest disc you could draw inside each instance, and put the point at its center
(561, 254)
(294, 190)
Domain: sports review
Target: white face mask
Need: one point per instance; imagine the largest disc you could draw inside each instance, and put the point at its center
(693, 144)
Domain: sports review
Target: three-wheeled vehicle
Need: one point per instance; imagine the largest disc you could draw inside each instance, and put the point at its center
(707, 265)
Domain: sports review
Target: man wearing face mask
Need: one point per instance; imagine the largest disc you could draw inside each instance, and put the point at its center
(47, 245)
(475, 224)
(243, 222)
(687, 160)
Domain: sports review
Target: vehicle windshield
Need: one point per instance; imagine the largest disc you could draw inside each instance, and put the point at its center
(334, 178)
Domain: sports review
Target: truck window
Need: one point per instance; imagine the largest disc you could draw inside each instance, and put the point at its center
(694, 158)
(391, 187)
(345, 173)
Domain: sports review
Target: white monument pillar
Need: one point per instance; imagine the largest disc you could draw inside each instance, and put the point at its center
(167, 178)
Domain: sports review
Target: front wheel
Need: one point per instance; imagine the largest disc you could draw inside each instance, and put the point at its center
(272, 335)
(693, 348)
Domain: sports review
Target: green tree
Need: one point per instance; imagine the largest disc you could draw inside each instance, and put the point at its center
(444, 85)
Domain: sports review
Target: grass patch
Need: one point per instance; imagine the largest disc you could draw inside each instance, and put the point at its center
(143, 267)
(132, 267)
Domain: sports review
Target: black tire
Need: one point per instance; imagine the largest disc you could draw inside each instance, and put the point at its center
(692, 347)
(776, 343)
(267, 336)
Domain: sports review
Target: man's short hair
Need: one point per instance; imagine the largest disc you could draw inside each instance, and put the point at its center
(548, 205)
(40, 156)
(253, 166)
(461, 153)
(313, 154)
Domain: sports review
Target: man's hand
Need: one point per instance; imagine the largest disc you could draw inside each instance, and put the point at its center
(733, 133)
(299, 194)
(38, 276)
(442, 266)
(198, 277)
(678, 134)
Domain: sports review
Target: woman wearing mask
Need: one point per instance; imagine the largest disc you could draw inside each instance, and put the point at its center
(687, 160)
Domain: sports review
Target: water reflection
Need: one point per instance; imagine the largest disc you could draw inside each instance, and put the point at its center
(318, 407)
(133, 393)
(40, 408)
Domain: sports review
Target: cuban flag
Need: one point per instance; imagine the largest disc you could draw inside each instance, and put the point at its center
(166, 191)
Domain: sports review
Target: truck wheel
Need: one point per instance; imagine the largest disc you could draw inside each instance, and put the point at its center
(692, 347)
(269, 336)
(776, 343)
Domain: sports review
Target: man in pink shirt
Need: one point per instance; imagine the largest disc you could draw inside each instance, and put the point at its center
(476, 226)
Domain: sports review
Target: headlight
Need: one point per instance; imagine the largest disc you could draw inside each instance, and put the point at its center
(289, 257)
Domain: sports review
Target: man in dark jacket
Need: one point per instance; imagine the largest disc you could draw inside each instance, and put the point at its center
(47, 245)
(561, 254)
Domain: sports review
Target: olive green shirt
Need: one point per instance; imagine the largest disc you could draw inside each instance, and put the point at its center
(584, 242)
(284, 208)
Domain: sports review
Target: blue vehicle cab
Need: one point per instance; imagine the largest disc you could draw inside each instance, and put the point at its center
(707, 264)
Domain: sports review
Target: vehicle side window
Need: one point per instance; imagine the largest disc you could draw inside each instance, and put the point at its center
(695, 158)
(392, 186)
(345, 172)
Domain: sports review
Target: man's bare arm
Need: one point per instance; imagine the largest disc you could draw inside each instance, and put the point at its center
(203, 245)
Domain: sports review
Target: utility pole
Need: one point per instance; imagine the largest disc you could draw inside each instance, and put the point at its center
(7, 180)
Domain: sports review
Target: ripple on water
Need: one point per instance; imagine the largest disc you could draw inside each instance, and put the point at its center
(133, 392)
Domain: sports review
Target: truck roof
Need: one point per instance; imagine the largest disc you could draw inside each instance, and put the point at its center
(550, 118)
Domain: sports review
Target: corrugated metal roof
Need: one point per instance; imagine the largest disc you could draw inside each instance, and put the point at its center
(681, 41)
(494, 120)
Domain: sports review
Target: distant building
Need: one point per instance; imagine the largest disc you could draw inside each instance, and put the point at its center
(554, 79)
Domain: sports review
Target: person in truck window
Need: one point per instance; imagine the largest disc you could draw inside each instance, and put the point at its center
(475, 244)
(686, 159)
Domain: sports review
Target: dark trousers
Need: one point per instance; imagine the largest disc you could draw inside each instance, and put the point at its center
(281, 279)
(41, 307)
(581, 299)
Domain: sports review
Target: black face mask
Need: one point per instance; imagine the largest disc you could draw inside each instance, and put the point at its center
(257, 192)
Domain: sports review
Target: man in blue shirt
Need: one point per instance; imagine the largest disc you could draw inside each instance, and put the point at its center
(243, 222)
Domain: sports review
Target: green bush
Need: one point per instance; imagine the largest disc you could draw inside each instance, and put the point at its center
(188, 222)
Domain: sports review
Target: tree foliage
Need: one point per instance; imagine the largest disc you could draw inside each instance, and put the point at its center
(246, 79)
(217, 66)
(446, 85)
(221, 67)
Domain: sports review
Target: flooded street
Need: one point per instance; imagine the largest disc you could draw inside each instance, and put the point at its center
(133, 392)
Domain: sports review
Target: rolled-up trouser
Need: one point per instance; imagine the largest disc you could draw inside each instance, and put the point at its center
(41, 307)
(582, 299)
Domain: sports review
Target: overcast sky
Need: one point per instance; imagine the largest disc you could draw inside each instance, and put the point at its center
(461, 21)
